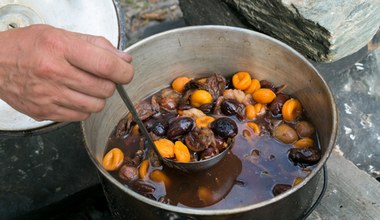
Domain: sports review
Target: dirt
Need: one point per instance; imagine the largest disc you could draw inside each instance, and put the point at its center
(140, 14)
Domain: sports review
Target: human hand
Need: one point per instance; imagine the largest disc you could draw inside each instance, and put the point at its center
(52, 74)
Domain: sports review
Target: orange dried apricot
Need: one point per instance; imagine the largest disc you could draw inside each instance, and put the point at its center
(200, 97)
(241, 80)
(203, 121)
(205, 194)
(135, 130)
(250, 112)
(181, 152)
(291, 109)
(297, 181)
(179, 83)
(254, 126)
(143, 169)
(255, 85)
(159, 176)
(260, 108)
(264, 96)
(113, 159)
(304, 142)
(165, 147)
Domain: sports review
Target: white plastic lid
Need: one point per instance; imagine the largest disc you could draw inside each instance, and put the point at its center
(96, 17)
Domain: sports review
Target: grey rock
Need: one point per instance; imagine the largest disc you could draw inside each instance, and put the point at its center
(324, 30)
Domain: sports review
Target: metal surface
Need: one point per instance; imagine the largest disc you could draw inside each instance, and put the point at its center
(95, 17)
(200, 50)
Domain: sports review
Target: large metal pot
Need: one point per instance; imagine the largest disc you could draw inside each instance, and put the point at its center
(193, 51)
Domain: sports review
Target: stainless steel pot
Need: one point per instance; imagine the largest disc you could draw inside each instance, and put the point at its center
(194, 51)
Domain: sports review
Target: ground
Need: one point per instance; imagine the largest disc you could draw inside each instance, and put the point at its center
(140, 14)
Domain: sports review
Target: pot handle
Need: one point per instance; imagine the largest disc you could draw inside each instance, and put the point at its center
(322, 193)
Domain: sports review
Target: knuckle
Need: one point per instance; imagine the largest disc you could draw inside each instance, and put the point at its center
(106, 65)
(99, 105)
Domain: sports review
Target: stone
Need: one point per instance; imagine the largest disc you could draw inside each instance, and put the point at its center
(324, 30)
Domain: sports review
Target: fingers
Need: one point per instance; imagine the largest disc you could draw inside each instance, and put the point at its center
(105, 44)
(88, 84)
(100, 61)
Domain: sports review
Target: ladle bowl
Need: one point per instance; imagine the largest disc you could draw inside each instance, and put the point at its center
(187, 167)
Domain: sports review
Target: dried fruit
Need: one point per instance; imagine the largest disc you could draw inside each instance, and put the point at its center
(179, 83)
(304, 142)
(285, 134)
(241, 80)
(254, 126)
(203, 121)
(181, 152)
(113, 159)
(264, 96)
(255, 85)
(165, 147)
(159, 176)
(200, 97)
(291, 110)
(143, 169)
(250, 112)
(304, 129)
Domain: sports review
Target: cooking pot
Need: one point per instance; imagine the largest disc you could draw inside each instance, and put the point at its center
(196, 51)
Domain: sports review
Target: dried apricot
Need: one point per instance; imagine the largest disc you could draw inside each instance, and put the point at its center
(255, 85)
(159, 176)
(205, 194)
(143, 169)
(165, 147)
(200, 97)
(291, 109)
(254, 126)
(179, 83)
(241, 80)
(113, 159)
(250, 112)
(181, 152)
(264, 96)
(203, 121)
(260, 108)
(297, 181)
(304, 142)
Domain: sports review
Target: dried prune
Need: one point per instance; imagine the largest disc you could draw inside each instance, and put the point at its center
(179, 127)
(280, 188)
(231, 107)
(159, 128)
(277, 103)
(306, 156)
(224, 127)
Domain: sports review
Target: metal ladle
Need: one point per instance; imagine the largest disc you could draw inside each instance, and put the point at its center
(183, 166)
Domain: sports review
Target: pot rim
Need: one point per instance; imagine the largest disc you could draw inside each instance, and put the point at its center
(197, 211)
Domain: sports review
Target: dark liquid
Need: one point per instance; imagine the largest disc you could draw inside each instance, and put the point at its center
(245, 176)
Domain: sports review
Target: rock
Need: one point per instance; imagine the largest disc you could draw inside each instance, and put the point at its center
(324, 30)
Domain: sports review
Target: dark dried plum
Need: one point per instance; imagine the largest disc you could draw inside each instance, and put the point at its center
(224, 127)
(306, 156)
(280, 188)
(276, 105)
(159, 128)
(128, 173)
(231, 107)
(179, 127)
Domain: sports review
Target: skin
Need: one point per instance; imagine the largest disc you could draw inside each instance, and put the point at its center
(52, 74)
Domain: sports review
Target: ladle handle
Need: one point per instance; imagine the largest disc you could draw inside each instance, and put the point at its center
(124, 96)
